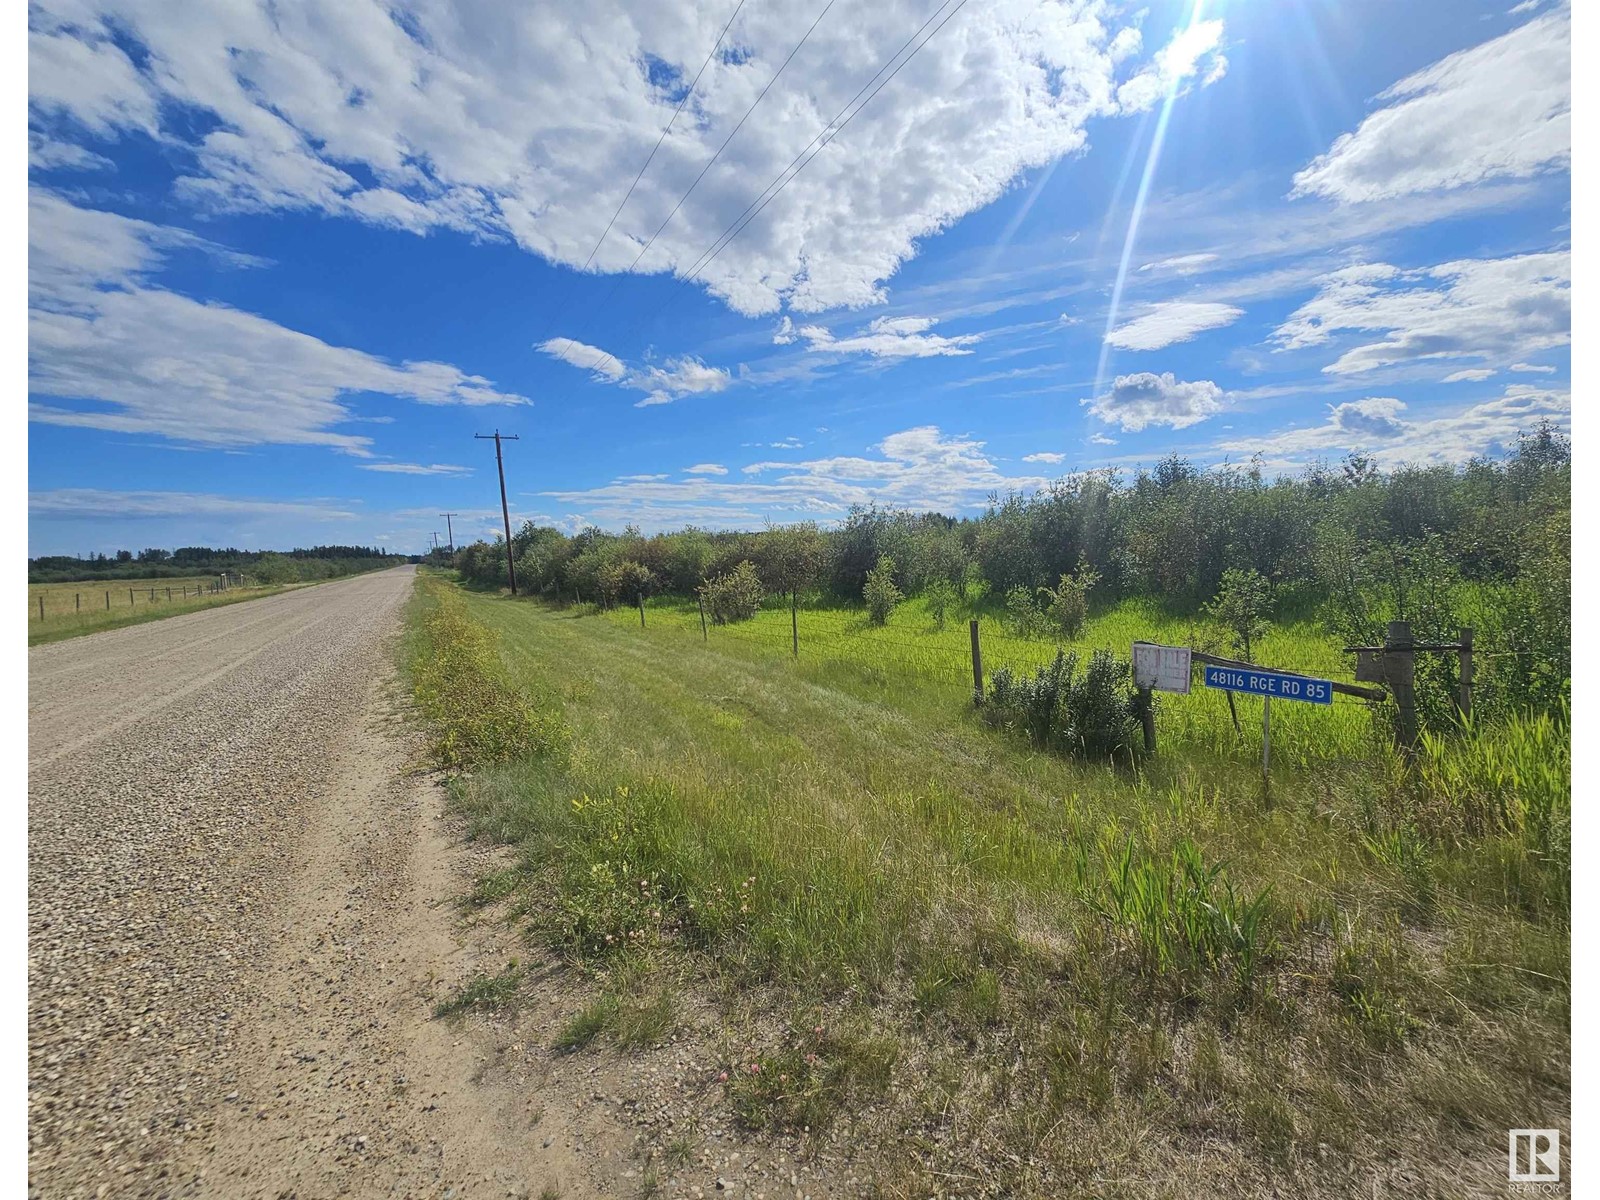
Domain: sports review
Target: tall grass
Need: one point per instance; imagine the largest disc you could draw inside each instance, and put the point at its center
(841, 836)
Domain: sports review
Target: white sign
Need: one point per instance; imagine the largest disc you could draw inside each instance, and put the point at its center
(1164, 668)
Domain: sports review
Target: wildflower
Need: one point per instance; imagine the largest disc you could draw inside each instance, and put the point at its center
(811, 1060)
(755, 1068)
(723, 1077)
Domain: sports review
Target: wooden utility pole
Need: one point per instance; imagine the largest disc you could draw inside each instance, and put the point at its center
(450, 530)
(505, 511)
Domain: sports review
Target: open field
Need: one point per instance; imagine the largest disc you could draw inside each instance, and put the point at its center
(1001, 972)
(71, 609)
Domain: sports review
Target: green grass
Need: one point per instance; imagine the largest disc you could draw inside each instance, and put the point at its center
(483, 992)
(74, 609)
(1057, 976)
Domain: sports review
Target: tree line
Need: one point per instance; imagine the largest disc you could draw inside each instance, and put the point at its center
(268, 566)
(1485, 543)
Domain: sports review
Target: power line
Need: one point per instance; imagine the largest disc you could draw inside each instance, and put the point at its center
(665, 130)
(829, 131)
(709, 164)
(826, 135)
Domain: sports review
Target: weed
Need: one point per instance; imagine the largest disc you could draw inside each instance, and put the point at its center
(484, 992)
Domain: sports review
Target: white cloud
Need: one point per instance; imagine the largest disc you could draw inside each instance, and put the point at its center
(1143, 399)
(1532, 368)
(400, 468)
(1172, 321)
(47, 154)
(124, 356)
(920, 469)
(1181, 264)
(706, 469)
(1100, 439)
(1501, 109)
(1044, 456)
(885, 337)
(1491, 309)
(1470, 375)
(675, 378)
(1379, 426)
(581, 354)
(522, 125)
(102, 505)
(1174, 64)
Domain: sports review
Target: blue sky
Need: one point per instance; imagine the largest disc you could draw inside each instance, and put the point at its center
(285, 262)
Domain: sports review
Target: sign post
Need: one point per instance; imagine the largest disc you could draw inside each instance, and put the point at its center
(1269, 684)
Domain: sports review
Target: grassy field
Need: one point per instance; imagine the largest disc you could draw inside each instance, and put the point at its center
(71, 609)
(1039, 976)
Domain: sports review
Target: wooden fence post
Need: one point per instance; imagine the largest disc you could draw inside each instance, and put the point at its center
(130, 597)
(77, 602)
(1465, 656)
(169, 595)
(1400, 669)
(108, 601)
(1147, 718)
(41, 606)
(977, 666)
(704, 636)
(794, 619)
(641, 610)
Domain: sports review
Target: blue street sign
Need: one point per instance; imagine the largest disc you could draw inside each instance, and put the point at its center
(1270, 683)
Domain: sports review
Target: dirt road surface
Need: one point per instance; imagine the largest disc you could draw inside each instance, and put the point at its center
(240, 919)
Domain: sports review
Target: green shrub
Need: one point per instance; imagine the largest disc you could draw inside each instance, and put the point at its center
(1067, 605)
(625, 581)
(941, 598)
(880, 592)
(1087, 716)
(734, 595)
(1244, 606)
(1022, 614)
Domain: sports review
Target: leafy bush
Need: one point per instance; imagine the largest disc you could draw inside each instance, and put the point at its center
(1087, 716)
(941, 597)
(1067, 606)
(1022, 614)
(1244, 606)
(880, 592)
(734, 595)
(625, 581)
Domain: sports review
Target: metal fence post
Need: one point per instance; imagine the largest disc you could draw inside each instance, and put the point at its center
(1464, 656)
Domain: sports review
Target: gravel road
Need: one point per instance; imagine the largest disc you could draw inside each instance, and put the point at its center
(237, 925)
(242, 911)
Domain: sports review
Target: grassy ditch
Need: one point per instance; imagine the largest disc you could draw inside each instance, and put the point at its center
(1042, 975)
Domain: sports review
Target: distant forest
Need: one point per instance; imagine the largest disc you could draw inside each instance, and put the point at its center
(262, 566)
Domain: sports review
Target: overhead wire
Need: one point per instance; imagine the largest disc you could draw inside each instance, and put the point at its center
(826, 135)
(645, 249)
(666, 129)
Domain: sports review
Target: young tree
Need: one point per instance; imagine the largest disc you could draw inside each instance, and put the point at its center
(880, 592)
(1067, 605)
(1244, 606)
